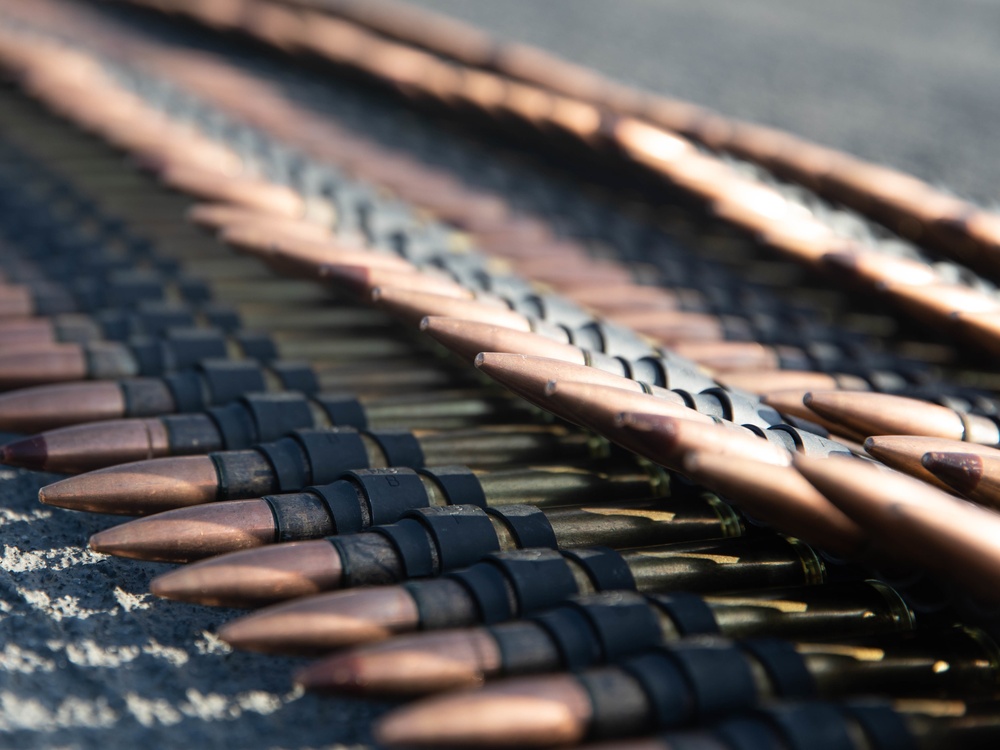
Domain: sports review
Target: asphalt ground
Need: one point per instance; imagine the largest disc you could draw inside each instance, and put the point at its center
(88, 659)
(910, 83)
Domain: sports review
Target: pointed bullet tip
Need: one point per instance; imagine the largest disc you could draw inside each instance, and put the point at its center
(28, 453)
(336, 673)
(962, 471)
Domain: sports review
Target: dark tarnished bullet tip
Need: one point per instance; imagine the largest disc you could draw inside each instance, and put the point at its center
(28, 453)
(963, 471)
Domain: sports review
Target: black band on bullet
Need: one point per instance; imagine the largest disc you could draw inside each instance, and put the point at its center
(539, 577)
(277, 414)
(807, 726)
(487, 585)
(604, 566)
(572, 635)
(222, 317)
(676, 375)
(53, 299)
(622, 627)
(665, 687)
(300, 516)
(883, 726)
(149, 355)
(187, 347)
(458, 483)
(528, 524)
(389, 492)
(720, 678)
(130, 288)
(613, 339)
(343, 504)
(193, 290)
(295, 376)
(185, 389)
(332, 451)
(688, 612)
(463, 534)
(258, 346)
(784, 666)
(142, 398)
(401, 447)
(227, 380)
(744, 734)
(409, 537)
(553, 308)
(290, 465)
(343, 411)
(235, 424)
(156, 320)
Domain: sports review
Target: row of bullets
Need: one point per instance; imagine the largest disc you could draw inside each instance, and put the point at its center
(655, 581)
(534, 96)
(527, 81)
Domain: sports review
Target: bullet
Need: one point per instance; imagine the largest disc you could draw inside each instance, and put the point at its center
(314, 456)
(179, 349)
(885, 414)
(582, 330)
(424, 663)
(221, 216)
(468, 338)
(772, 381)
(780, 497)
(251, 419)
(938, 304)
(528, 376)
(212, 382)
(632, 697)
(876, 268)
(972, 475)
(790, 403)
(355, 500)
(515, 584)
(373, 558)
(913, 521)
(576, 392)
(905, 453)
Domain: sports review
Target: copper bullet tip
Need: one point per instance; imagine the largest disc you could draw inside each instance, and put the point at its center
(905, 453)
(326, 622)
(409, 664)
(467, 338)
(255, 577)
(413, 306)
(189, 534)
(886, 414)
(538, 712)
(138, 488)
(51, 406)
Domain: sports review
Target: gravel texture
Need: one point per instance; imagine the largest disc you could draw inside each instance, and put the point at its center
(91, 660)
